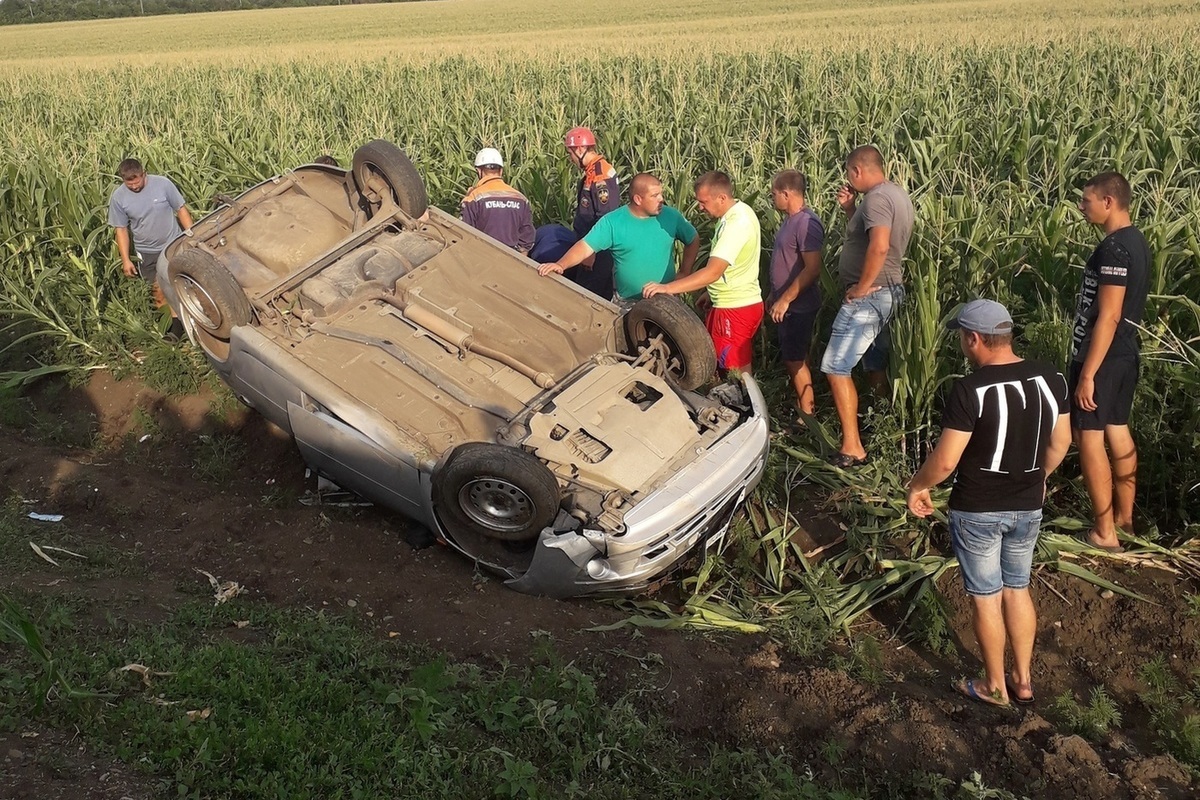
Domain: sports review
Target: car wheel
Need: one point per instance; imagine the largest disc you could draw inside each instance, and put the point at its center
(685, 351)
(211, 302)
(381, 169)
(498, 492)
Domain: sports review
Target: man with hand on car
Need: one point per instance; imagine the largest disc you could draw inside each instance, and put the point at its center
(146, 211)
(494, 207)
(730, 274)
(641, 238)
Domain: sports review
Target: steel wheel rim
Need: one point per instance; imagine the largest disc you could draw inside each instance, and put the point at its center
(497, 504)
(198, 304)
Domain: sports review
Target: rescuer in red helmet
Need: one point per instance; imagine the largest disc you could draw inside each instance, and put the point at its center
(599, 193)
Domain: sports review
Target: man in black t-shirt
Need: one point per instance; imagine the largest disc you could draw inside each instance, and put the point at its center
(1104, 368)
(1005, 428)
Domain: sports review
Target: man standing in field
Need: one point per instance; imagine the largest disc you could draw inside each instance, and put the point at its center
(795, 280)
(641, 237)
(730, 274)
(1104, 368)
(598, 193)
(1005, 428)
(147, 211)
(494, 207)
(871, 274)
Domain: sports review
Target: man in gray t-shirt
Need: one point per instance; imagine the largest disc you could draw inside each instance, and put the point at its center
(871, 274)
(146, 211)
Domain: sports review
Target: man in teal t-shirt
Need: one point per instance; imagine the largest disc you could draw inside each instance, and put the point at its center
(641, 237)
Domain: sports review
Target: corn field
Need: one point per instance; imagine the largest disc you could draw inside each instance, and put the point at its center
(993, 140)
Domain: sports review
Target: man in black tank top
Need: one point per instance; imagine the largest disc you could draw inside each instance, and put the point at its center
(1104, 367)
(1006, 426)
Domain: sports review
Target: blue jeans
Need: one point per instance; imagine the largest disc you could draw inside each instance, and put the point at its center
(860, 332)
(994, 548)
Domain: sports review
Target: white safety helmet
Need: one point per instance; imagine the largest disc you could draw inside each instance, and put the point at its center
(489, 157)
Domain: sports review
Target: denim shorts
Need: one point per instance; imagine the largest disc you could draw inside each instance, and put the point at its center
(860, 332)
(994, 548)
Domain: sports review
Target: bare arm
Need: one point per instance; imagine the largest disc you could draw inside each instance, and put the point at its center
(877, 250)
(1060, 440)
(123, 248)
(710, 272)
(805, 278)
(185, 218)
(688, 261)
(941, 462)
(1111, 302)
(580, 252)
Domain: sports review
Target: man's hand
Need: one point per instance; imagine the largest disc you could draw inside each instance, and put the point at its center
(919, 502)
(857, 292)
(778, 309)
(846, 197)
(651, 289)
(1084, 391)
(129, 268)
(552, 267)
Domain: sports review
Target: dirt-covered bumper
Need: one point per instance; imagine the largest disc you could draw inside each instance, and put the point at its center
(692, 509)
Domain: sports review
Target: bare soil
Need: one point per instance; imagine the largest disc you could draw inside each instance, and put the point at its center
(142, 499)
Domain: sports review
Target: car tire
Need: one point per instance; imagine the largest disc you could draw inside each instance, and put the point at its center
(211, 302)
(691, 360)
(495, 491)
(379, 164)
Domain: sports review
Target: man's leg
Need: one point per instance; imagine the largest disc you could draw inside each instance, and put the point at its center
(989, 623)
(1123, 453)
(887, 302)
(801, 378)
(1020, 621)
(845, 400)
(1097, 477)
(854, 328)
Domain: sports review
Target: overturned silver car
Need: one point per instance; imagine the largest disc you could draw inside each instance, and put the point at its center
(533, 426)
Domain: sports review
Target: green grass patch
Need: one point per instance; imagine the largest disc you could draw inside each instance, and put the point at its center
(86, 559)
(1174, 707)
(217, 457)
(1091, 721)
(303, 705)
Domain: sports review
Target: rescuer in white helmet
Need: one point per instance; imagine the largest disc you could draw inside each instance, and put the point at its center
(494, 207)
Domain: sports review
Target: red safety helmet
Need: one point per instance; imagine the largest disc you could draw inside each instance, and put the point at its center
(580, 137)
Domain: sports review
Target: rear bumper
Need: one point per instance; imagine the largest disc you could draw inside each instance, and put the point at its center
(693, 507)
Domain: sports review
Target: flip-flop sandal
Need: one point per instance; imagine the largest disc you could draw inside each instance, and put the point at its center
(1016, 698)
(966, 687)
(845, 460)
(1108, 548)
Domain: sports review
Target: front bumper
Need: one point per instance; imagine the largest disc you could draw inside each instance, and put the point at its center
(695, 505)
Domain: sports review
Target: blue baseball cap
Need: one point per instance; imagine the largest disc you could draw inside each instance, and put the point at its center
(983, 316)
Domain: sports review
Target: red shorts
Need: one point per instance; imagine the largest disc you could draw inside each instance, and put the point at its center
(732, 331)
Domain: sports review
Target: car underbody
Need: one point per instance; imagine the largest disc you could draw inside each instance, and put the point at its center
(430, 369)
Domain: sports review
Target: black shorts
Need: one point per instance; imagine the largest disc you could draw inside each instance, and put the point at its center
(1113, 394)
(795, 334)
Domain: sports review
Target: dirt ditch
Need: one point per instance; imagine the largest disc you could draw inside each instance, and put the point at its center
(135, 492)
